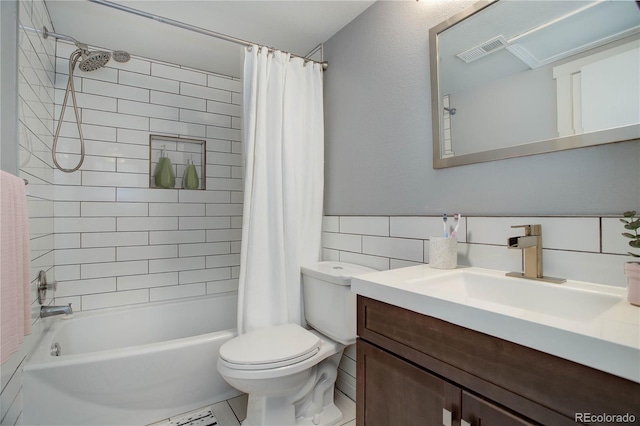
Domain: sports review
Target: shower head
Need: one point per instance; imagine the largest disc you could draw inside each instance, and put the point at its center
(92, 61)
(120, 56)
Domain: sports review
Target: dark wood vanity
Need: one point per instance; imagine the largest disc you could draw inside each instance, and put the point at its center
(413, 369)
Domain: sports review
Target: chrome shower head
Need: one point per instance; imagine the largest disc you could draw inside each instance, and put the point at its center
(92, 61)
(120, 56)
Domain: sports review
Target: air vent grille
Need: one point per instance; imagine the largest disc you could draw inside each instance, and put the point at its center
(483, 49)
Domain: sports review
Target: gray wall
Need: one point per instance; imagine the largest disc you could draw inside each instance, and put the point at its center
(379, 142)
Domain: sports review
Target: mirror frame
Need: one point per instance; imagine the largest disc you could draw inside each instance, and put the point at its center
(601, 137)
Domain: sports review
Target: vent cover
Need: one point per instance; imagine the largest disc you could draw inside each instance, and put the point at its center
(483, 49)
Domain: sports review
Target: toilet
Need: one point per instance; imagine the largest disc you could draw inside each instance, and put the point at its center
(289, 371)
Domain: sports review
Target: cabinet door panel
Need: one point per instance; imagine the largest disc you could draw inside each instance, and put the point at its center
(479, 412)
(395, 392)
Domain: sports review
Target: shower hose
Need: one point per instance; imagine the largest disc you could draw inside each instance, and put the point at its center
(73, 60)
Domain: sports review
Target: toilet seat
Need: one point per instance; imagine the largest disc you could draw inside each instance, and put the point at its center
(270, 347)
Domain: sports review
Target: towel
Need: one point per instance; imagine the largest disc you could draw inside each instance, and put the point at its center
(15, 266)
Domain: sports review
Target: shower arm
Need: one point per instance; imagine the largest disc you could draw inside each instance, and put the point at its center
(46, 33)
(82, 46)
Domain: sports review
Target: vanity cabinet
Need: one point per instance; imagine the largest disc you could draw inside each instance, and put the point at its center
(414, 369)
(401, 393)
(398, 392)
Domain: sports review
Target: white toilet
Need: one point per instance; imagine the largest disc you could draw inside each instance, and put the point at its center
(288, 371)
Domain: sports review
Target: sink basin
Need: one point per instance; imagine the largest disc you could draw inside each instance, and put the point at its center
(485, 290)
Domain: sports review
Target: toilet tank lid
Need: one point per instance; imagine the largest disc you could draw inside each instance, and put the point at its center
(335, 272)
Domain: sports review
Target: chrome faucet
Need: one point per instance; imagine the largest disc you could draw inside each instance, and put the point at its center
(49, 311)
(531, 246)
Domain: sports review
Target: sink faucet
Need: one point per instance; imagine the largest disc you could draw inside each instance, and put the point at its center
(531, 246)
(49, 311)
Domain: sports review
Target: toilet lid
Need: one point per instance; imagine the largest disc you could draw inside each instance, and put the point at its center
(271, 347)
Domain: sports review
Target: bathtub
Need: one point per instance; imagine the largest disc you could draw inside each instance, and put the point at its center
(129, 366)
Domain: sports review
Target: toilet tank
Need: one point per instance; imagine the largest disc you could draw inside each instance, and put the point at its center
(329, 304)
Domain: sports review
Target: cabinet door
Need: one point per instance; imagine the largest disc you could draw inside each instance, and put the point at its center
(479, 412)
(392, 391)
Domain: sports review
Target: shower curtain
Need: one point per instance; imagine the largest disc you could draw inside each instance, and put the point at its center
(283, 151)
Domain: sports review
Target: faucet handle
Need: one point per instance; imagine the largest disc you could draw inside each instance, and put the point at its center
(43, 286)
(530, 230)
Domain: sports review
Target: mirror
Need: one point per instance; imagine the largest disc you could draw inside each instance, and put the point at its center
(515, 78)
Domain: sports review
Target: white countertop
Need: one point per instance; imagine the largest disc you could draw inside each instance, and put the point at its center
(608, 341)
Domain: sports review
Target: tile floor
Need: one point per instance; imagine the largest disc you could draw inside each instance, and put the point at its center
(233, 411)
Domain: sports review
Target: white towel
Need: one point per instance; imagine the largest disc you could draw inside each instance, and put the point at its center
(15, 267)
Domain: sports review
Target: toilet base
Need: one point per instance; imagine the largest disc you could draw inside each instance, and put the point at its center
(301, 408)
(330, 415)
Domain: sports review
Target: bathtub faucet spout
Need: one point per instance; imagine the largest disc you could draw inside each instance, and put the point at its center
(49, 311)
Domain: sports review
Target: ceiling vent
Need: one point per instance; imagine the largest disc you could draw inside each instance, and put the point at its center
(483, 49)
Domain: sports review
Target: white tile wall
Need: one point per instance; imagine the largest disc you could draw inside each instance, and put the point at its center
(579, 248)
(118, 242)
(36, 78)
(398, 248)
(366, 225)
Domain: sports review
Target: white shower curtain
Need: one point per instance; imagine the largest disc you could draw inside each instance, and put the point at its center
(283, 190)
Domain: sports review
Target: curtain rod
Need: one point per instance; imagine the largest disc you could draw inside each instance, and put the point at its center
(192, 28)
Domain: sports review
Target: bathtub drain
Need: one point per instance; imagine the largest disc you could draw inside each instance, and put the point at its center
(55, 349)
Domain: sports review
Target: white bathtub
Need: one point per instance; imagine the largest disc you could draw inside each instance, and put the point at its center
(129, 366)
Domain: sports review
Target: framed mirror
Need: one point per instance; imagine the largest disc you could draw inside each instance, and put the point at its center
(515, 78)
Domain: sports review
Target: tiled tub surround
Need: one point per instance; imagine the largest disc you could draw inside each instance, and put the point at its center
(579, 248)
(36, 59)
(118, 242)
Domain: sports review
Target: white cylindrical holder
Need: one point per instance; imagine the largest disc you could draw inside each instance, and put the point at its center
(443, 252)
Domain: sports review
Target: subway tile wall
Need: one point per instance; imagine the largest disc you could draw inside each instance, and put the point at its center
(118, 242)
(36, 60)
(36, 75)
(578, 248)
